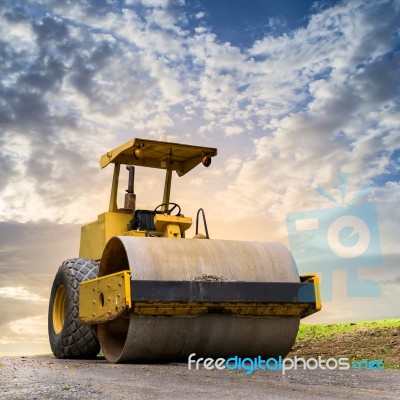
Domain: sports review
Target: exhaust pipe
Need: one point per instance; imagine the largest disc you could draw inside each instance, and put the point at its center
(130, 196)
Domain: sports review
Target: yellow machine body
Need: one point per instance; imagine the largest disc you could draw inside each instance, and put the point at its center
(95, 235)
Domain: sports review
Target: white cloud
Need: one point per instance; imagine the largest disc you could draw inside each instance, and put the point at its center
(305, 103)
(233, 130)
(200, 29)
(197, 182)
(19, 35)
(34, 326)
(233, 164)
(25, 336)
(20, 293)
(155, 3)
(344, 120)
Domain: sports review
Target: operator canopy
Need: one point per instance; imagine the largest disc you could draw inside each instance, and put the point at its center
(181, 158)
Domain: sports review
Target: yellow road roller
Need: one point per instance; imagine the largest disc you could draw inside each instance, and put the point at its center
(142, 292)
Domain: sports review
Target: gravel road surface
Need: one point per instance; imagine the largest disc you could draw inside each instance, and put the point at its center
(49, 378)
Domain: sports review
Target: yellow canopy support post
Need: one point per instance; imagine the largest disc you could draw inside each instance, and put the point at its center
(167, 186)
(114, 190)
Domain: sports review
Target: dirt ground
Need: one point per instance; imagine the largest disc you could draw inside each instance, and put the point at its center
(360, 343)
(44, 377)
(47, 378)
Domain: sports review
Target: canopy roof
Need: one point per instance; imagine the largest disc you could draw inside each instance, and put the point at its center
(154, 154)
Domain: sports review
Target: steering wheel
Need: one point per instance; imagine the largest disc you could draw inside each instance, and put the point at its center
(168, 210)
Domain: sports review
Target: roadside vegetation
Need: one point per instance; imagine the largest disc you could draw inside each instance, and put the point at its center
(368, 340)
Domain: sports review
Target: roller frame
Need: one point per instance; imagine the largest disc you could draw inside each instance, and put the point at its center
(106, 298)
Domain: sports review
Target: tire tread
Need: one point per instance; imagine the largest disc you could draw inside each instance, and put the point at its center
(77, 340)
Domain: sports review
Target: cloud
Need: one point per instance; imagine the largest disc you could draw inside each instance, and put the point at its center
(20, 293)
(25, 336)
(29, 326)
(65, 81)
(78, 80)
(197, 182)
(337, 105)
(233, 130)
(233, 164)
(30, 255)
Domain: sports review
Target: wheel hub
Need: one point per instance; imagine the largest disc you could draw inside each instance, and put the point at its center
(59, 309)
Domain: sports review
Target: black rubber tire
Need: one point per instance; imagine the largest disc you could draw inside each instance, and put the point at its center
(75, 340)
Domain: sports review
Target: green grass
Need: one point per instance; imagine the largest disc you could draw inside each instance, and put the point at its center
(327, 331)
(371, 340)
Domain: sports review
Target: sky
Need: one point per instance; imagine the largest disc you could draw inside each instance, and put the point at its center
(295, 95)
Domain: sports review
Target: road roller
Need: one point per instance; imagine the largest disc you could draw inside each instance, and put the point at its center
(141, 291)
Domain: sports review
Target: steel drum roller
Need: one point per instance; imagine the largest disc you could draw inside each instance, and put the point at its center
(167, 338)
